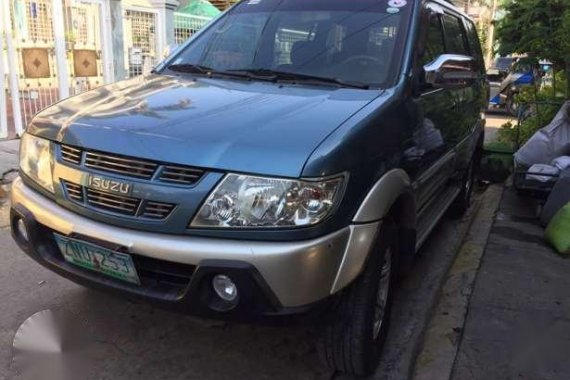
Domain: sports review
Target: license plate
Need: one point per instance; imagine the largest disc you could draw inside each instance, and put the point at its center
(93, 257)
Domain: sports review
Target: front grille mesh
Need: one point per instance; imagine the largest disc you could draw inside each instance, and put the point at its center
(127, 166)
(131, 167)
(112, 202)
(117, 204)
(71, 154)
(179, 174)
(74, 191)
(156, 210)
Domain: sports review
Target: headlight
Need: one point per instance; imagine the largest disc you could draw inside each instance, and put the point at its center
(36, 160)
(245, 201)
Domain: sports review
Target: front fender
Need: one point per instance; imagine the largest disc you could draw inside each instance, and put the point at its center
(383, 196)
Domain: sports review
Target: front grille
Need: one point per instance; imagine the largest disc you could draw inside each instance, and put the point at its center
(122, 165)
(71, 154)
(111, 202)
(131, 167)
(74, 191)
(118, 204)
(180, 174)
(157, 210)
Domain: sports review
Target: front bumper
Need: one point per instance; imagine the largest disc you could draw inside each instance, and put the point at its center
(275, 277)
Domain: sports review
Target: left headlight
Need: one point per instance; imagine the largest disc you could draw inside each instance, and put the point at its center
(36, 160)
(247, 201)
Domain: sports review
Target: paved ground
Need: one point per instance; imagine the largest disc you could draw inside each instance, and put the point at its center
(8, 155)
(518, 324)
(494, 122)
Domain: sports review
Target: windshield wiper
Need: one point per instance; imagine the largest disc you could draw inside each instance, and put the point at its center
(276, 75)
(190, 68)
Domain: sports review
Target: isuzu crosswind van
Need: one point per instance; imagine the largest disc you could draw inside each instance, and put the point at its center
(292, 156)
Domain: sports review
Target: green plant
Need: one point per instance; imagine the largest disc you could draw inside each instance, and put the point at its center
(538, 108)
(539, 28)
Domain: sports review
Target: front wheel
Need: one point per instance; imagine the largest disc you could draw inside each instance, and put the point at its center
(463, 201)
(352, 340)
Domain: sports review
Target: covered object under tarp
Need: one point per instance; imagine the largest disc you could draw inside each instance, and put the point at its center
(548, 143)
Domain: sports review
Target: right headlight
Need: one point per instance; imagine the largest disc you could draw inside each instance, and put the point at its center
(36, 160)
(248, 201)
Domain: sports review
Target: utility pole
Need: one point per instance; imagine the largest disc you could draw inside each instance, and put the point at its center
(491, 34)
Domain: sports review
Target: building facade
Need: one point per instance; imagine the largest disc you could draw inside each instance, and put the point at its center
(51, 49)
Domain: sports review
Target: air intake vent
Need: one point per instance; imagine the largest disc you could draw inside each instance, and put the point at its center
(71, 154)
(157, 210)
(112, 202)
(180, 174)
(74, 192)
(118, 164)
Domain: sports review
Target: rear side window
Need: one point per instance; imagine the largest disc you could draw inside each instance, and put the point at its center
(454, 35)
(474, 44)
(434, 46)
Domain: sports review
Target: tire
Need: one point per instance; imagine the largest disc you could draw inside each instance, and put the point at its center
(353, 338)
(463, 201)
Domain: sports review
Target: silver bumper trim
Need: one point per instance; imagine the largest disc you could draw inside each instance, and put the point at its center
(299, 273)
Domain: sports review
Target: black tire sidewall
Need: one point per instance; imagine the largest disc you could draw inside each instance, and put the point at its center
(353, 319)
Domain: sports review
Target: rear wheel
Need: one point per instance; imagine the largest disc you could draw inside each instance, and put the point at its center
(353, 339)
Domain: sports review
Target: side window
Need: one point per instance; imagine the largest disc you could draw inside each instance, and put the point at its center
(434, 46)
(454, 35)
(474, 44)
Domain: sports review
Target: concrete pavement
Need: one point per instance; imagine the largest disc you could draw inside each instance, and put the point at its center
(8, 155)
(8, 165)
(494, 121)
(517, 323)
(518, 326)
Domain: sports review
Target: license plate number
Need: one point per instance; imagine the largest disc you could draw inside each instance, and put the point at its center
(93, 257)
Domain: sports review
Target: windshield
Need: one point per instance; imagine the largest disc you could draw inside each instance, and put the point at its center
(357, 41)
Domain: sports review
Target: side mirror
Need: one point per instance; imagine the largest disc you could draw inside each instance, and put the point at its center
(450, 71)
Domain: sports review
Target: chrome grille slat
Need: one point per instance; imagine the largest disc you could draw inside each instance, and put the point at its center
(98, 198)
(180, 174)
(115, 203)
(131, 167)
(127, 166)
(99, 162)
(125, 205)
(74, 192)
(107, 205)
(71, 154)
(183, 169)
(122, 159)
(157, 210)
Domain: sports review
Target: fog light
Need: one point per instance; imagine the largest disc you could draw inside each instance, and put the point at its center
(22, 229)
(225, 288)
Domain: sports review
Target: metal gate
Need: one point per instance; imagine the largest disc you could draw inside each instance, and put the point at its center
(54, 48)
(141, 41)
(185, 26)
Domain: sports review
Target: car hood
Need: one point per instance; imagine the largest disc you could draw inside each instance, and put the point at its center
(230, 125)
